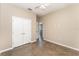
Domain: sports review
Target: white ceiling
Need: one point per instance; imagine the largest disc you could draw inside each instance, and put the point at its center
(40, 12)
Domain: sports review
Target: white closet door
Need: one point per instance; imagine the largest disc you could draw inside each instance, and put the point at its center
(17, 31)
(27, 30)
(21, 31)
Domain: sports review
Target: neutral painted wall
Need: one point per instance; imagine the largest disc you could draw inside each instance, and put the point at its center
(7, 11)
(0, 10)
(62, 26)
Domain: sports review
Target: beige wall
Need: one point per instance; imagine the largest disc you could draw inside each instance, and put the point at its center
(0, 10)
(7, 11)
(62, 26)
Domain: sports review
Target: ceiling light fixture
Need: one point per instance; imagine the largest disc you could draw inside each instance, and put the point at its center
(42, 6)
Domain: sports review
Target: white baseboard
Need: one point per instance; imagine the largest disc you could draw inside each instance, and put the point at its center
(5, 50)
(63, 45)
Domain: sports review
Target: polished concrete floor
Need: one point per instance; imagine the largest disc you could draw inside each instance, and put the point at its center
(47, 49)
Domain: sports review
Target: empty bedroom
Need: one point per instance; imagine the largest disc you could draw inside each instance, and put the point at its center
(39, 29)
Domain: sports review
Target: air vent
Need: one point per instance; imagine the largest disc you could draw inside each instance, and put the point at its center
(29, 9)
